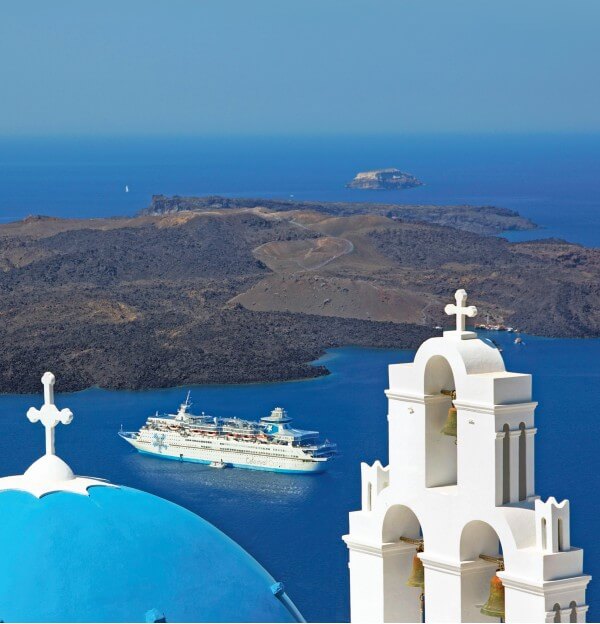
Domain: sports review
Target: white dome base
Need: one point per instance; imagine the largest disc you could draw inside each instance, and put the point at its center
(50, 474)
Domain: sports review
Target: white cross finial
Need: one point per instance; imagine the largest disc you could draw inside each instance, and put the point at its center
(49, 415)
(460, 309)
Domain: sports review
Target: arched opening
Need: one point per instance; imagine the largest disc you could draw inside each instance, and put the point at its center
(556, 609)
(522, 463)
(400, 521)
(478, 538)
(369, 496)
(402, 601)
(440, 449)
(573, 614)
(506, 465)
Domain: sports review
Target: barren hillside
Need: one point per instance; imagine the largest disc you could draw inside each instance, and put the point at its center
(252, 294)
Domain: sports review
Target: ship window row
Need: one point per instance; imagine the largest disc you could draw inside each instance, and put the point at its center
(208, 446)
(234, 450)
(285, 442)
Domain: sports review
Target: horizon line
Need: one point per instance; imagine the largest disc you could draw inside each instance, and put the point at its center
(304, 135)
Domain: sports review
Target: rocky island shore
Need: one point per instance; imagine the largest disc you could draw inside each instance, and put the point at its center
(245, 294)
(384, 179)
(477, 219)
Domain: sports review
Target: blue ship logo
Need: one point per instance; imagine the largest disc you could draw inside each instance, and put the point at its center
(159, 442)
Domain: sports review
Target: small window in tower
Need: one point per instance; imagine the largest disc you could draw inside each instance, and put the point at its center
(522, 464)
(560, 534)
(556, 610)
(506, 465)
(573, 614)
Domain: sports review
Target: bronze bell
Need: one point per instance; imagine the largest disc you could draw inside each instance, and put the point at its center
(494, 607)
(449, 427)
(417, 576)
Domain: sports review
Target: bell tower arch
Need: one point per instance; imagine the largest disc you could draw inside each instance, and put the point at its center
(461, 461)
(440, 424)
(480, 588)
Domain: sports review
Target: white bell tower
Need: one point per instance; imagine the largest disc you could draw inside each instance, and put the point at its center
(449, 500)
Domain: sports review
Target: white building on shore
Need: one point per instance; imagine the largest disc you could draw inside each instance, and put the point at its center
(460, 485)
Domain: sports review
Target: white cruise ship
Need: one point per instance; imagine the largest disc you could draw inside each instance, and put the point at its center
(269, 444)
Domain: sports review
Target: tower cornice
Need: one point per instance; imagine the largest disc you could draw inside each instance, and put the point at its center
(420, 399)
(544, 587)
(380, 550)
(496, 410)
(458, 568)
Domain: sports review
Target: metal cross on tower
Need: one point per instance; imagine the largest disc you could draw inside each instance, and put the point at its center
(49, 415)
(461, 309)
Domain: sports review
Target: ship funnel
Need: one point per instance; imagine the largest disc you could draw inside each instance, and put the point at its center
(279, 413)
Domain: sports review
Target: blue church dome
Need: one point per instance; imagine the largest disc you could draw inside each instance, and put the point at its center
(77, 549)
(117, 554)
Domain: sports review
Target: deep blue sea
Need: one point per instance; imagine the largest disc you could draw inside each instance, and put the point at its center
(554, 180)
(293, 524)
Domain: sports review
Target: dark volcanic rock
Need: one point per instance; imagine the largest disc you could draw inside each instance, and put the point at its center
(478, 219)
(230, 346)
(145, 305)
(154, 300)
(549, 288)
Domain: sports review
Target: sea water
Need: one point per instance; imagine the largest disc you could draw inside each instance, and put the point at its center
(552, 179)
(293, 523)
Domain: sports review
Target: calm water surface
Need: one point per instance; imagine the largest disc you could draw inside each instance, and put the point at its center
(292, 524)
(554, 180)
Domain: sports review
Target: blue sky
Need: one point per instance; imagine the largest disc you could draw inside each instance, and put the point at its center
(298, 67)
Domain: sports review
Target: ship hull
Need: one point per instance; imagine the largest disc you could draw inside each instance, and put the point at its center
(289, 465)
(319, 467)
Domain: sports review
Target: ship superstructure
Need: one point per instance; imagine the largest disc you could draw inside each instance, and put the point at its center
(269, 444)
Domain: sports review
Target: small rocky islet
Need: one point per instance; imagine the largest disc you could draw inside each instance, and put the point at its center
(389, 179)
